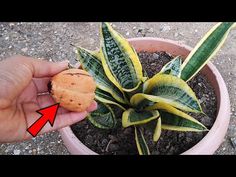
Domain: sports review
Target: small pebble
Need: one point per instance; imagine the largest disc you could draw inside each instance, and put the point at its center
(24, 49)
(16, 151)
(176, 34)
(151, 30)
(155, 56)
(181, 135)
(165, 28)
(34, 152)
(203, 99)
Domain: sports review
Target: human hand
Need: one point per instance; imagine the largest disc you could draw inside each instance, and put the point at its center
(22, 79)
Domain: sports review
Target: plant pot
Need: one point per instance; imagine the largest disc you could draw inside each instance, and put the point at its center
(210, 143)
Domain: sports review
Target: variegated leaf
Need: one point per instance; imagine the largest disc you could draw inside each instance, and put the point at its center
(133, 117)
(103, 117)
(120, 61)
(140, 142)
(90, 63)
(157, 131)
(167, 89)
(174, 119)
(178, 123)
(172, 67)
(145, 75)
(205, 50)
(105, 97)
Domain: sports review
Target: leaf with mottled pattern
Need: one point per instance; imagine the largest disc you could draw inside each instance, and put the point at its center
(120, 61)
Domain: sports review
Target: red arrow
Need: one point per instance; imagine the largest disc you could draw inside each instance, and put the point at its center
(48, 115)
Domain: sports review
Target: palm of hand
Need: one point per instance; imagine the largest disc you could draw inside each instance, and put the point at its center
(23, 110)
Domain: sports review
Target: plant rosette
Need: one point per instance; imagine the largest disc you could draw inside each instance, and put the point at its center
(165, 98)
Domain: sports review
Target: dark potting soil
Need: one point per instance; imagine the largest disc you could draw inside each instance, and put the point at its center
(121, 140)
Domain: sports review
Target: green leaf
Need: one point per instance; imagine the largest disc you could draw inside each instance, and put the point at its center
(120, 61)
(145, 75)
(157, 132)
(177, 123)
(103, 117)
(105, 97)
(133, 117)
(90, 63)
(172, 67)
(129, 95)
(167, 89)
(174, 119)
(140, 142)
(205, 50)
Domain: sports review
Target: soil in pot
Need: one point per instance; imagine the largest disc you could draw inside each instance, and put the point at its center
(121, 140)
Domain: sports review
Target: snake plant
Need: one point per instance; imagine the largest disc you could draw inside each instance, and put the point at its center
(164, 99)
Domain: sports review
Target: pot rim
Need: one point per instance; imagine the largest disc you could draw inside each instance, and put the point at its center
(204, 146)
